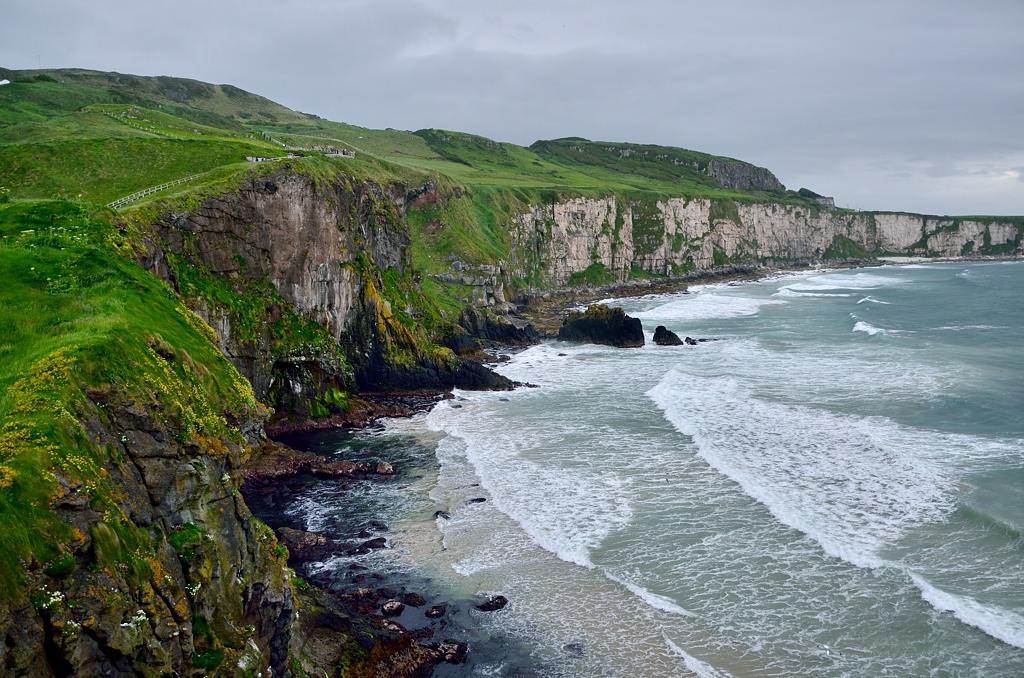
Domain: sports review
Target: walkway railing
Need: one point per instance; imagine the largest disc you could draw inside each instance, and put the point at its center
(121, 202)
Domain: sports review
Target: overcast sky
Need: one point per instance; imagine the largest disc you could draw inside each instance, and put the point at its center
(913, 105)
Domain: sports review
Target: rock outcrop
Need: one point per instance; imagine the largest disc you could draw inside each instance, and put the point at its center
(301, 280)
(666, 337)
(601, 324)
(210, 587)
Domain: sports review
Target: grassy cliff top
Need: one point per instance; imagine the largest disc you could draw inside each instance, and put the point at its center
(96, 136)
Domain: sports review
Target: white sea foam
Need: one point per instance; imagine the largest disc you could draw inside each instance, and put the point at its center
(853, 485)
(845, 281)
(706, 306)
(867, 328)
(653, 599)
(1003, 624)
(564, 510)
(872, 300)
(961, 328)
(701, 668)
(792, 292)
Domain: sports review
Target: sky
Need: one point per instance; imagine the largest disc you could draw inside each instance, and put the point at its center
(911, 105)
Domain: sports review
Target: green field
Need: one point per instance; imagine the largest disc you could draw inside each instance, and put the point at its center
(100, 136)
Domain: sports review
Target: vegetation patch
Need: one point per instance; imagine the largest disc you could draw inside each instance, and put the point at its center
(76, 318)
(595, 274)
(845, 248)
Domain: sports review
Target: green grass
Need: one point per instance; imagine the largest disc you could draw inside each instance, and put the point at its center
(76, 318)
(70, 89)
(101, 170)
(595, 274)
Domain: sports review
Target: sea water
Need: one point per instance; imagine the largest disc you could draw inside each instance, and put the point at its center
(832, 484)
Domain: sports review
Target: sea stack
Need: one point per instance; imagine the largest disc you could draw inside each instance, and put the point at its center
(666, 337)
(602, 324)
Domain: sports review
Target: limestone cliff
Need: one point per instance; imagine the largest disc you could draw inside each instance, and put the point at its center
(557, 242)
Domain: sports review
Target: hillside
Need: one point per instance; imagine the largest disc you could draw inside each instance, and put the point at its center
(51, 114)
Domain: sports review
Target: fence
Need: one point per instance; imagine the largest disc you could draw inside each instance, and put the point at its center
(121, 202)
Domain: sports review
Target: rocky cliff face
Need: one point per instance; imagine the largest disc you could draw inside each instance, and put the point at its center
(744, 176)
(178, 575)
(294, 275)
(675, 236)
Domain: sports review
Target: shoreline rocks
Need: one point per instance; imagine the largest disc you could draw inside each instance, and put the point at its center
(602, 324)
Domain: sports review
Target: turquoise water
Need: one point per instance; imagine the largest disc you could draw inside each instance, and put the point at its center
(833, 486)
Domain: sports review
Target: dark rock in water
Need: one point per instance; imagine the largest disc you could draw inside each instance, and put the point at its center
(297, 540)
(437, 611)
(351, 469)
(452, 651)
(690, 341)
(477, 500)
(414, 600)
(493, 603)
(442, 514)
(367, 546)
(493, 328)
(601, 324)
(666, 337)
(422, 634)
(392, 608)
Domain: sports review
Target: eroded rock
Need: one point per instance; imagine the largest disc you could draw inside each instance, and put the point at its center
(602, 324)
(666, 337)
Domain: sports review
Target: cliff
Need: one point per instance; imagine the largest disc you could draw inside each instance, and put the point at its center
(309, 286)
(125, 546)
(579, 241)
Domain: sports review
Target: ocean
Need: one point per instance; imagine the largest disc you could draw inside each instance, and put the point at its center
(831, 485)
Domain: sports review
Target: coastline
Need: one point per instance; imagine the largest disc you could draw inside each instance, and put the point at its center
(546, 309)
(364, 602)
(404, 621)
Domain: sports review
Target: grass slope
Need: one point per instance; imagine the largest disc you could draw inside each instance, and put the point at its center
(75, 318)
(41, 111)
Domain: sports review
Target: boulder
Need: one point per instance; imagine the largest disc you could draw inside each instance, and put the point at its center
(413, 599)
(493, 603)
(436, 611)
(453, 651)
(392, 608)
(666, 337)
(298, 540)
(602, 324)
